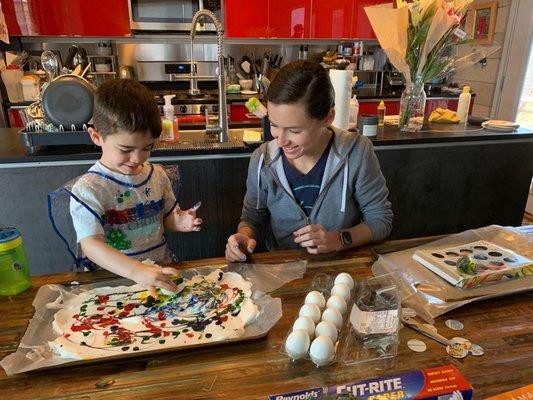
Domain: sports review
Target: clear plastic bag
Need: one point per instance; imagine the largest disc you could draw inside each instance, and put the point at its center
(372, 332)
(430, 295)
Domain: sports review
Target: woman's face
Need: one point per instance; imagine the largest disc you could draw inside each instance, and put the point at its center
(296, 133)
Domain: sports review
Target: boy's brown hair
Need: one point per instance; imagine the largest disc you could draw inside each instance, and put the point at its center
(125, 105)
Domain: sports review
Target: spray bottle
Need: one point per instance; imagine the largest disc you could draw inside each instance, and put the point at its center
(170, 125)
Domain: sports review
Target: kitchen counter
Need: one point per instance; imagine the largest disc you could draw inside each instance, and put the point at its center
(12, 151)
(255, 369)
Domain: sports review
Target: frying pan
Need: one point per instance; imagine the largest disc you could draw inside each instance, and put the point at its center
(68, 100)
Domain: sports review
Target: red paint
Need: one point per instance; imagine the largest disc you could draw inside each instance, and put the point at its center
(103, 299)
(189, 334)
(100, 308)
(224, 286)
(128, 307)
(161, 316)
(224, 318)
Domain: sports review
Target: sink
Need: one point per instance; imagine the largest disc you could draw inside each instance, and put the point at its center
(200, 140)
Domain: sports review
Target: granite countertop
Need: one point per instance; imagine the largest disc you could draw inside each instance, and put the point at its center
(13, 151)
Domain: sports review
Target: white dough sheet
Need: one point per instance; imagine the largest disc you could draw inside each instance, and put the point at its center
(430, 295)
(213, 304)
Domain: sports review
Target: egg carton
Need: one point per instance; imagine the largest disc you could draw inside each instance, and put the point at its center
(317, 331)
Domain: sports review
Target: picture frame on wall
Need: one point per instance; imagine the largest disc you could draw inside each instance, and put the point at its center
(482, 22)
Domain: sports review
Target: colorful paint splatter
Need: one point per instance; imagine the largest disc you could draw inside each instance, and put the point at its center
(110, 321)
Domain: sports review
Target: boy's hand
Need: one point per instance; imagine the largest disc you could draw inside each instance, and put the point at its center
(237, 245)
(186, 220)
(317, 239)
(154, 276)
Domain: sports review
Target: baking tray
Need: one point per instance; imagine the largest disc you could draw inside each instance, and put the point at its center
(33, 352)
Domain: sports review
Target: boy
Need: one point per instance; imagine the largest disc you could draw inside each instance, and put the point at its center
(122, 205)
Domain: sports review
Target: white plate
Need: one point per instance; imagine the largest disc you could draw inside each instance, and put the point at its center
(248, 92)
(499, 125)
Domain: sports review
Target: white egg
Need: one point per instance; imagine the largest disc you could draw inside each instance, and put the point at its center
(306, 324)
(326, 328)
(322, 351)
(317, 298)
(345, 278)
(334, 316)
(310, 310)
(343, 290)
(297, 344)
(337, 302)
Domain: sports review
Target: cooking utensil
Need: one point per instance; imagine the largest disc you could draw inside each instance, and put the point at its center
(49, 64)
(86, 69)
(72, 51)
(77, 70)
(68, 101)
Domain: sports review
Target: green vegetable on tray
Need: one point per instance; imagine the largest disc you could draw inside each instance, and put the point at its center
(466, 265)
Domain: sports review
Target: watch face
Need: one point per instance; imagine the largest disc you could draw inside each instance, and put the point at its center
(346, 238)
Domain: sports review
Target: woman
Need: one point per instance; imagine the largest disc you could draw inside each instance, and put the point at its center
(313, 186)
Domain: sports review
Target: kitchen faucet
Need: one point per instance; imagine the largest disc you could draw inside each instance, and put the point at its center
(222, 129)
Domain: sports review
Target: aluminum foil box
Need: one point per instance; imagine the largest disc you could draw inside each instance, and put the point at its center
(439, 383)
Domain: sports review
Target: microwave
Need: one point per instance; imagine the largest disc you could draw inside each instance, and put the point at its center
(170, 15)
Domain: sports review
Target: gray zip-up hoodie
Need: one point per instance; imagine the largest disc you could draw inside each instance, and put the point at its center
(353, 190)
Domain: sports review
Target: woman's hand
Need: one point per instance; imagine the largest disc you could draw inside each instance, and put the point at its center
(237, 245)
(317, 239)
(154, 276)
(185, 220)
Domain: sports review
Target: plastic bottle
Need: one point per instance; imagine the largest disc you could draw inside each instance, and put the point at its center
(381, 113)
(170, 126)
(464, 104)
(354, 110)
(14, 271)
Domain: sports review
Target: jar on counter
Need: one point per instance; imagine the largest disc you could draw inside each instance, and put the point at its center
(14, 271)
(368, 125)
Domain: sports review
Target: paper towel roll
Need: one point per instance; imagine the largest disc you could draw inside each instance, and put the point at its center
(342, 84)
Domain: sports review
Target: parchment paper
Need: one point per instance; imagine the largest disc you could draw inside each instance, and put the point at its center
(34, 353)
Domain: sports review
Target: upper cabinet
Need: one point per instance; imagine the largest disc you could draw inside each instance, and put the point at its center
(299, 19)
(67, 17)
(289, 19)
(331, 19)
(361, 28)
(99, 18)
(246, 19)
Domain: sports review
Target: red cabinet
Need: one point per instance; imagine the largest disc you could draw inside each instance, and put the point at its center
(361, 28)
(98, 18)
(67, 17)
(246, 19)
(332, 19)
(10, 15)
(289, 19)
(49, 17)
(371, 107)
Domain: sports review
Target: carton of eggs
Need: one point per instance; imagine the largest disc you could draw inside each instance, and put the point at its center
(321, 320)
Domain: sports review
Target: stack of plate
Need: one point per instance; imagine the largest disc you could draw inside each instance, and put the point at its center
(499, 125)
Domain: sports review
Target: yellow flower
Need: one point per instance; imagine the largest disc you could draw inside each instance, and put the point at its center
(401, 3)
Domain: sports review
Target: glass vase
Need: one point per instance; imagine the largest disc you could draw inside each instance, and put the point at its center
(412, 107)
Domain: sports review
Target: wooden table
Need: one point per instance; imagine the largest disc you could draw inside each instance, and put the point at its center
(252, 370)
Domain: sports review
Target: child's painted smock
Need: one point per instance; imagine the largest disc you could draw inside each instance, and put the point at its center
(128, 210)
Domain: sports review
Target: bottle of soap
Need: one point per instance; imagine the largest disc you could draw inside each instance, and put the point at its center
(169, 123)
(381, 113)
(464, 104)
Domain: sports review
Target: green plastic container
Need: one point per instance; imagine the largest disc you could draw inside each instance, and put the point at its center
(14, 272)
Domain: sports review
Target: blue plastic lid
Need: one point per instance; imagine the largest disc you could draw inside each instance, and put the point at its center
(8, 234)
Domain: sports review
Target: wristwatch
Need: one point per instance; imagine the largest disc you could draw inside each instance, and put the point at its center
(346, 238)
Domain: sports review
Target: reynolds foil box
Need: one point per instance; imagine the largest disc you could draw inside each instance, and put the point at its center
(440, 383)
